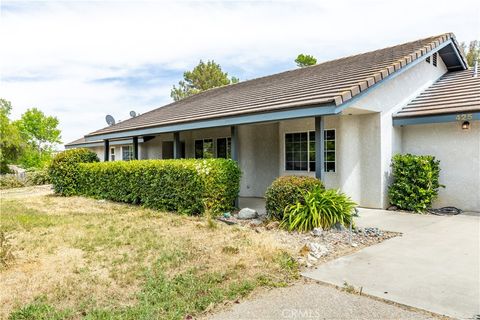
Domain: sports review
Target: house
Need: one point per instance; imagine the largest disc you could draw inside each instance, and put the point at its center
(340, 121)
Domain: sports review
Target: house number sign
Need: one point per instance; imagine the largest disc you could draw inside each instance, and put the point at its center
(464, 116)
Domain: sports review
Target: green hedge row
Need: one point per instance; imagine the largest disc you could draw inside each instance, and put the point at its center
(185, 186)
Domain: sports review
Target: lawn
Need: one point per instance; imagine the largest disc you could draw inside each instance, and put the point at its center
(83, 258)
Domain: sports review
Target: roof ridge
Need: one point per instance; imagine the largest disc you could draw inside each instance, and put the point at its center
(367, 80)
(399, 64)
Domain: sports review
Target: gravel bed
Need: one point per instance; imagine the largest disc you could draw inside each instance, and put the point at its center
(319, 245)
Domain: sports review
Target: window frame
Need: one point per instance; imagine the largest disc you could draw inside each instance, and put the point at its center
(227, 145)
(130, 147)
(308, 150)
(112, 153)
(214, 151)
(335, 152)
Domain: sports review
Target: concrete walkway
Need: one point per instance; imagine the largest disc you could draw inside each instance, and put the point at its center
(434, 266)
(315, 301)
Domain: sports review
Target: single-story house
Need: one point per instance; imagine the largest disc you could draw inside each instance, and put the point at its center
(341, 121)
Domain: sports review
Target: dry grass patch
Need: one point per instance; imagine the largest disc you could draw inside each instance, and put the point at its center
(77, 257)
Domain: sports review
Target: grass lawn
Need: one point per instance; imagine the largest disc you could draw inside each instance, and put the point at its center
(83, 258)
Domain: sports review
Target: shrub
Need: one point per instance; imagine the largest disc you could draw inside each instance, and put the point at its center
(287, 190)
(63, 170)
(319, 208)
(37, 177)
(415, 182)
(9, 181)
(185, 186)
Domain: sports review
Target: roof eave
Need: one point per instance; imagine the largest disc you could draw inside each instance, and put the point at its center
(292, 113)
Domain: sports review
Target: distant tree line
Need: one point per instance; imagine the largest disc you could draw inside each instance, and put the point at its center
(28, 142)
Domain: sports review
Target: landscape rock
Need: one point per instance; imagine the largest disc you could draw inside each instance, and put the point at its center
(392, 208)
(272, 225)
(339, 227)
(317, 232)
(317, 250)
(247, 213)
(256, 222)
(311, 258)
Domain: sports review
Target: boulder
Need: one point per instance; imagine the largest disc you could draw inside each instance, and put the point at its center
(247, 213)
(317, 232)
(317, 250)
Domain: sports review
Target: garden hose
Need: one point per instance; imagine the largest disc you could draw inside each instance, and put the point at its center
(445, 211)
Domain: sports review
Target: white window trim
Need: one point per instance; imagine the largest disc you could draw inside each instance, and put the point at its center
(112, 153)
(335, 151)
(308, 150)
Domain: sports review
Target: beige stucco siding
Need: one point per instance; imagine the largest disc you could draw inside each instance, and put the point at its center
(385, 100)
(459, 154)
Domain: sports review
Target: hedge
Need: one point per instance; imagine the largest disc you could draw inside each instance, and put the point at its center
(63, 170)
(415, 182)
(184, 186)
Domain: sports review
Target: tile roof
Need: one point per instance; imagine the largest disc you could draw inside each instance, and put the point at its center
(455, 92)
(78, 141)
(332, 82)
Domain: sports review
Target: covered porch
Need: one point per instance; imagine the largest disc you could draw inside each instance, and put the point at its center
(341, 150)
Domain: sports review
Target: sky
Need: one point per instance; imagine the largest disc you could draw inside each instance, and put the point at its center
(82, 60)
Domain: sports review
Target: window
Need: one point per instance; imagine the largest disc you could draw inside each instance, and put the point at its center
(296, 152)
(329, 146)
(112, 154)
(224, 148)
(434, 59)
(300, 151)
(427, 59)
(127, 153)
(204, 149)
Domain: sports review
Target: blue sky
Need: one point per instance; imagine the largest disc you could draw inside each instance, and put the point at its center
(82, 60)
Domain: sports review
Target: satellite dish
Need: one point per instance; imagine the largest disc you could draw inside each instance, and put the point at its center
(133, 114)
(110, 120)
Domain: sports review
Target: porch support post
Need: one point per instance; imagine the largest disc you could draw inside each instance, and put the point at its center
(319, 148)
(234, 150)
(106, 150)
(176, 146)
(135, 148)
(234, 139)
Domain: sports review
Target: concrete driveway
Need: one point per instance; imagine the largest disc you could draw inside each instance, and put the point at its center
(434, 265)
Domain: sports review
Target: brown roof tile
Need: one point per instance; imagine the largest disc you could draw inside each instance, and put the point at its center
(455, 92)
(330, 82)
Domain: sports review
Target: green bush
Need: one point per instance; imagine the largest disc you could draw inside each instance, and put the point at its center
(185, 186)
(9, 181)
(63, 169)
(286, 191)
(415, 182)
(37, 177)
(319, 208)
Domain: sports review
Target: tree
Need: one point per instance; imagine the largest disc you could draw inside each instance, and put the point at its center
(203, 77)
(473, 53)
(304, 60)
(11, 143)
(41, 134)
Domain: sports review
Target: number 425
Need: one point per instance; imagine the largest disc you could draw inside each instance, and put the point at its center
(465, 116)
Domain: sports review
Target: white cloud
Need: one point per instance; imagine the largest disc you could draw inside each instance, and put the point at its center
(53, 52)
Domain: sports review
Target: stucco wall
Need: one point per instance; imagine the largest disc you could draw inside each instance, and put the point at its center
(459, 154)
(385, 100)
(258, 157)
